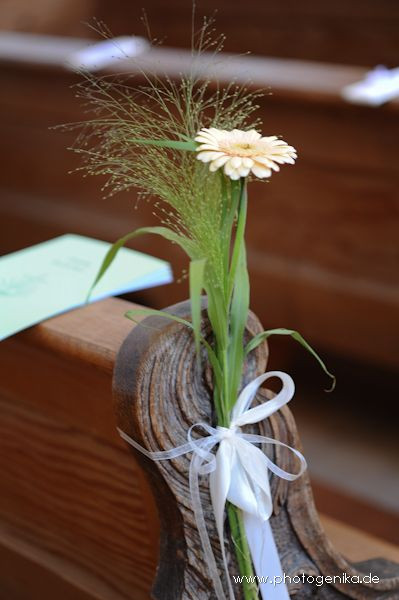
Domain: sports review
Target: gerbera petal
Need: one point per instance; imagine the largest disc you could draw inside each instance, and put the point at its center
(247, 162)
(205, 135)
(208, 146)
(234, 175)
(207, 156)
(228, 168)
(201, 139)
(220, 161)
(243, 171)
(278, 159)
(217, 133)
(261, 172)
(236, 162)
(263, 160)
(253, 135)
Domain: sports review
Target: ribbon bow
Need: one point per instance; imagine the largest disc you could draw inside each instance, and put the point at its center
(238, 473)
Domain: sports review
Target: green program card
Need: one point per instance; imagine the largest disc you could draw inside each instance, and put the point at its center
(44, 280)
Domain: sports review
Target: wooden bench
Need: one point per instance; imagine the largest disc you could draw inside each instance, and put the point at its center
(322, 234)
(360, 32)
(77, 519)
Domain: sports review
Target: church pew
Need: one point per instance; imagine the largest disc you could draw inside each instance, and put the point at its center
(77, 519)
(360, 32)
(322, 237)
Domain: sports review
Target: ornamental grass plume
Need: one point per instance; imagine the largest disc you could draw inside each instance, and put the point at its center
(157, 138)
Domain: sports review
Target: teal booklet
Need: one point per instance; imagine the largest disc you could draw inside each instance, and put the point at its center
(44, 280)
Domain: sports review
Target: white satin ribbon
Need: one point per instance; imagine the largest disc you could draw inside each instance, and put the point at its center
(238, 473)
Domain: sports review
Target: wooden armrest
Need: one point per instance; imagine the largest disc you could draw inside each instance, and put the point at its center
(77, 519)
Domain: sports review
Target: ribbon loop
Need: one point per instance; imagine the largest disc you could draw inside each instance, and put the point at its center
(238, 472)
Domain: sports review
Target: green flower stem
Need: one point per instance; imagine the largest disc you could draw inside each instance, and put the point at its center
(249, 587)
(239, 238)
(225, 397)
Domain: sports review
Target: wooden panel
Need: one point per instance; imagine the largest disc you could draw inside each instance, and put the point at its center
(25, 576)
(355, 544)
(357, 512)
(46, 16)
(357, 32)
(72, 502)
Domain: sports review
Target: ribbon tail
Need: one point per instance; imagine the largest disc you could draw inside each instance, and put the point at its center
(219, 484)
(265, 558)
(195, 467)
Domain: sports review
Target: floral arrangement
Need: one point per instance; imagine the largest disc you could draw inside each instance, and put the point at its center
(193, 147)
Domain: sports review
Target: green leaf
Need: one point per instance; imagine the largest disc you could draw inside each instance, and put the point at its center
(159, 313)
(238, 319)
(197, 271)
(261, 337)
(238, 294)
(168, 234)
(187, 146)
(231, 193)
(239, 237)
(217, 315)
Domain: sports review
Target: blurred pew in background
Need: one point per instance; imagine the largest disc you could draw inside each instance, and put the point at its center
(322, 237)
(359, 32)
(46, 16)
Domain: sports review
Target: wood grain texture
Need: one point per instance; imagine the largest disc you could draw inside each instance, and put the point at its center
(73, 504)
(356, 32)
(89, 335)
(359, 32)
(161, 392)
(77, 519)
(151, 419)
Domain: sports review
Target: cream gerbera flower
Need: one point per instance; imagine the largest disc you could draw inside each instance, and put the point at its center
(243, 152)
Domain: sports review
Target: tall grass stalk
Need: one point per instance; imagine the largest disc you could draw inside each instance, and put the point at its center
(141, 137)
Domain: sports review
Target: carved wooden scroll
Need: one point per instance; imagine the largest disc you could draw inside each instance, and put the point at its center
(160, 391)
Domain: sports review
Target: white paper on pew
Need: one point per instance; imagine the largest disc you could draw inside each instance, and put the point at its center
(379, 86)
(42, 281)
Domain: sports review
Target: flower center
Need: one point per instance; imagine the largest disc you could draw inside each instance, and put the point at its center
(239, 149)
